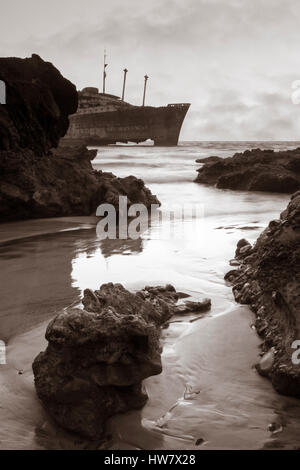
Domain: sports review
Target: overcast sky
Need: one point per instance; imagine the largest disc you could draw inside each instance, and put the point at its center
(234, 60)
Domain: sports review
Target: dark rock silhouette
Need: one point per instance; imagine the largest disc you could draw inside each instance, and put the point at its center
(63, 183)
(37, 181)
(254, 170)
(38, 102)
(268, 279)
(97, 357)
(211, 159)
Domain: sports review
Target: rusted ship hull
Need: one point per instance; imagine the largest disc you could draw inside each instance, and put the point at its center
(134, 124)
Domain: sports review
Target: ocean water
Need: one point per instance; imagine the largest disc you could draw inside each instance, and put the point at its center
(209, 389)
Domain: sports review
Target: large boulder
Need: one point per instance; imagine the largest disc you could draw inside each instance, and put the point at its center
(268, 279)
(98, 356)
(254, 170)
(38, 102)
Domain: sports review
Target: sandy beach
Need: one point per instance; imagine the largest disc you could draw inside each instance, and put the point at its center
(208, 396)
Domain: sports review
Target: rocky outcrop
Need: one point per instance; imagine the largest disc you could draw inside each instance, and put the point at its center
(254, 170)
(62, 183)
(38, 102)
(35, 180)
(268, 279)
(98, 356)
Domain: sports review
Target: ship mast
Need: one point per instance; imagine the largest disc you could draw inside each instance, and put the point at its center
(104, 70)
(145, 86)
(124, 83)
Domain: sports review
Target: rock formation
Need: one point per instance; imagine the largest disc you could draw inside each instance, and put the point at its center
(62, 183)
(35, 180)
(268, 279)
(38, 102)
(254, 170)
(97, 357)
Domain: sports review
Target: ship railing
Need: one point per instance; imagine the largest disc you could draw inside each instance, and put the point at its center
(178, 105)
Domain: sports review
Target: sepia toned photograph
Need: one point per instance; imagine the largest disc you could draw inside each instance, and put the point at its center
(150, 228)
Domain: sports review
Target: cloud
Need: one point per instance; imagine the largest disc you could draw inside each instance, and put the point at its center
(234, 60)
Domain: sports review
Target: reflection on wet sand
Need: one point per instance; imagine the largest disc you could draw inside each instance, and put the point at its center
(36, 275)
(124, 247)
(38, 281)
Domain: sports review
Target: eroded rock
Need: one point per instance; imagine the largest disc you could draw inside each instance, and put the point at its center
(254, 170)
(268, 280)
(97, 358)
(38, 102)
(36, 178)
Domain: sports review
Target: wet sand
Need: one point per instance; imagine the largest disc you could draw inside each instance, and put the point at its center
(31, 228)
(206, 365)
(204, 371)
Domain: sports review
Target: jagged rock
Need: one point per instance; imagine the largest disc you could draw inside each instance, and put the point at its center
(97, 358)
(243, 247)
(234, 262)
(268, 280)
(182, 295)
(211, 159)
(35, 180)
(38, 102)
(254, 170)
(245, 250)
(232, 274)
(241, 243)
